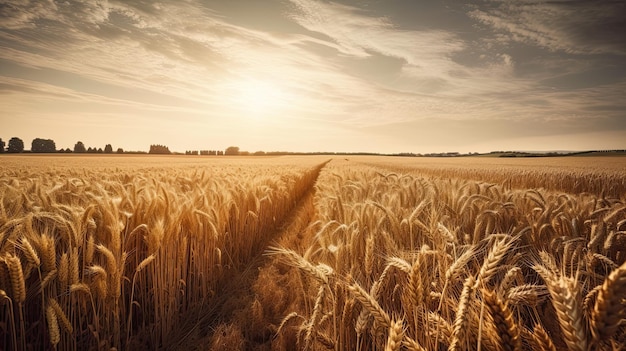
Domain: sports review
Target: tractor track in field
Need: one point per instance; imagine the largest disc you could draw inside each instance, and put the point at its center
(234, 301)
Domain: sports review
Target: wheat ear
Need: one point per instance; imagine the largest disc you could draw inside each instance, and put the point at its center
(53, 325)
(526, 295)
(412, 345)
(380, 316)
(295, 260)
(541, 339)
(315, 316)
(490, 265)
(438, 326)
(396, 334)
(567, 303)
(60, 315)
(17, 278)
(608, 310)
(507, 329)
(461, 320)
(29, 252)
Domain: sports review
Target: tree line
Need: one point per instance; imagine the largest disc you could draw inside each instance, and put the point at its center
(39, 145)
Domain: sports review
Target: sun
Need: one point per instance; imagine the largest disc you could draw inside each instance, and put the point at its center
(257, 98)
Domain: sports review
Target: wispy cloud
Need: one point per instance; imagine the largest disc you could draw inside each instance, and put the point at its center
(23, 14)
(136, 45)
(578, 27)
(338, 67)
(429, 83)
(358, 34)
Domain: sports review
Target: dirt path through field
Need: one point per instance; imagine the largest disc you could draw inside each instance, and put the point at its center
(243, 307)
(239, 320)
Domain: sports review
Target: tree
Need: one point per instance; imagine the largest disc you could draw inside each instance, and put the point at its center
(16, 145)
(108, 149)
(120, 150)
(79, 147)
(1, 146)
(232, 150)
(159, 149)
(43, 145)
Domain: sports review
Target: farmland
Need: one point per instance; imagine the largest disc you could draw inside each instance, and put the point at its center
(312, 253)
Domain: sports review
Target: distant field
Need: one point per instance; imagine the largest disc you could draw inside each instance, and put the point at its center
(570, 163)
(312, 253)
(134, 161)
(602, 175)
(581, 163)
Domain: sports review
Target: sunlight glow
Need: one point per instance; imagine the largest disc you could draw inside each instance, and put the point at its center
(258, 98)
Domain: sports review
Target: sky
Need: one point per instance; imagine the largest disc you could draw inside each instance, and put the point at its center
(384, 76)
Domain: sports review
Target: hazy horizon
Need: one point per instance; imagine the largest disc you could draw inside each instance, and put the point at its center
(383, 76)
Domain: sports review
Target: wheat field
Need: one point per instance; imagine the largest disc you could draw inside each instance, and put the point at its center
(312, 253)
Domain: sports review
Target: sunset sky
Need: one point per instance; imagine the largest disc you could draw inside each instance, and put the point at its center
(306, 75)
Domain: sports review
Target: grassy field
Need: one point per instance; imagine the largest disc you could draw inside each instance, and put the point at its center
(312, 253)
